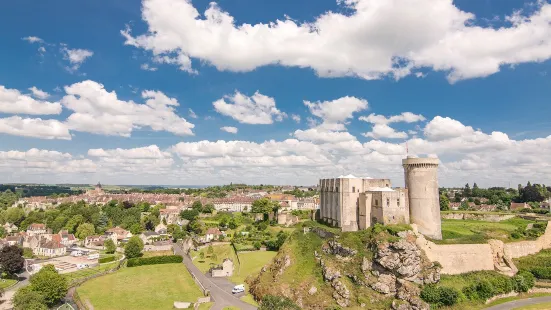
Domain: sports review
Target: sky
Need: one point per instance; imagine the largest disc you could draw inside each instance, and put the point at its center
(192, 92)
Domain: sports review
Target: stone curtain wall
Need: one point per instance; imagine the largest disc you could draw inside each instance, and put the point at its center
(477, 217)
(462, 258)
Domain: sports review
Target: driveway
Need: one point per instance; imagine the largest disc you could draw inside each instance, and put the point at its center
(521, 303)
(220, 291)
(8, 294)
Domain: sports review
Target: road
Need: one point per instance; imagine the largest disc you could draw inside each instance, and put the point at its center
(23, 281)
(520, 303)
(220, 290)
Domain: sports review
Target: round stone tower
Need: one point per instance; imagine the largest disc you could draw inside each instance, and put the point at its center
(421, 176)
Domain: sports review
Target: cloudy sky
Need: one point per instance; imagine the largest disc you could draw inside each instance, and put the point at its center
(282, 92)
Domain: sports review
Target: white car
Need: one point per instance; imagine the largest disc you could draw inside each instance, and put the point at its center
(238, 289)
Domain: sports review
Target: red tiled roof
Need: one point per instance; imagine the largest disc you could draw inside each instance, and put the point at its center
(213, 231)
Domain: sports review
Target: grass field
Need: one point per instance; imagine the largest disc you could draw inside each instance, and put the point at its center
(84, 273)
(220, 253)
(157, 253)
(206, 306)
(251, 263)
(544, 306)
(6, 283)
(472, 231)
(144, 287)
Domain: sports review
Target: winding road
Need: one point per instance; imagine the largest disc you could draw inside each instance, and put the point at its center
(521, 303)
(220, 289)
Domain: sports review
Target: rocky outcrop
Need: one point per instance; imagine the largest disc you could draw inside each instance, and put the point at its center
(335, 248)
(322, 233)
(385, 284)
(341, 293)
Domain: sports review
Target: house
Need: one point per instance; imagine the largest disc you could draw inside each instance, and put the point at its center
(9, 228)
(36, 229)
(164, 245)
(94, 242)
(118, 234)
(519, 206)
(224, 270)
(212, 234)
(149, 236)
(65, 238)
(49, 248)
(170, 215)
(14, 240)
(161, 229)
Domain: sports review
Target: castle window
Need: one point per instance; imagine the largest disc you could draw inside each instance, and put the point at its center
(376, 202)
(388, 202)
(398, 202)
(353, 189)
(337, 189)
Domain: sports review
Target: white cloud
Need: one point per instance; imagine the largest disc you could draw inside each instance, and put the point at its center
(33, 39)
(338, 110)
(381, 129)
(147, 67)
(295, 118)
(148, 152)
(13, 102)
(257, 109)
(318, 135)
(192, 114)
(181, 60)
(76, 57)
(34, 127)
(38, 93)
(98, 111)
(229, 129)
(363, 41)
(440, 128)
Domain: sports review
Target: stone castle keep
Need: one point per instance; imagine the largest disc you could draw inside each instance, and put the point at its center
(353, 203)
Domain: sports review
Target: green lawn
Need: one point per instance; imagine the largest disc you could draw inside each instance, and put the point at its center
(144, 287)
(157, 253)
(205, 306)
(84, 273)
(220, 253)
(251, 263)
(473, 231)
(6, 283)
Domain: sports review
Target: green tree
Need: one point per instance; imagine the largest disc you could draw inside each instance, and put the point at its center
(202, 255)
(197, 205)
(189, 215)
(232, 224)
(444, 202)
(73, 223)
(11, 259)
(263, 205)
(208, 208)
(2, 232)
(110, 246)
(467, 191)
(84, 230)
(50, 284)
(136, 229)
(271, 302)
(15, 216)
(27, 299)
(477, 202)
(210, 250)
(134, 247)
(464, 206)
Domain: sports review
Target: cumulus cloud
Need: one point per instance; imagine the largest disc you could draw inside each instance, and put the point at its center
(229, 129)
(192, 114)
(364, 40)
(382, 130)
(34, 127)
(296, 118)
(440, 128)
(147, 67)
(13, 101)
(33, 39)
(76, 57)
(257, 109)
(98, 111)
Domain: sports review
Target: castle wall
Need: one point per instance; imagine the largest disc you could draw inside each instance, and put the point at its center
(365, 210)
(524, 248)
(395, 207)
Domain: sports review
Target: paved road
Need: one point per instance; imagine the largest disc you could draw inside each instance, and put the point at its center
(220, 291)
(23, 281)
(520, 303)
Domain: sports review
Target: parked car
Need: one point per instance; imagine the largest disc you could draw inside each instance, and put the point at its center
(82, 266)
(238, 289)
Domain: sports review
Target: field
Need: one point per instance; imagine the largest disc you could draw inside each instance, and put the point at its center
(6, 283)
(251, 263)
(144, 287)
(544, 306)
(220, 252)
(157, 253)
(472, 231)
(84, 273)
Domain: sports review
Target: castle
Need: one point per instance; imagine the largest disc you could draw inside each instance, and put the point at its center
(353, 203)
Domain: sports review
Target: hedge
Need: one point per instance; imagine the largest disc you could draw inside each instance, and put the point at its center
(440, 295)
(541, 272)
(140, 261)
(106, 259)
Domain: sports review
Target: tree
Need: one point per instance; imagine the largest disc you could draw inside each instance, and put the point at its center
(50, 284)
(73, 223)
(195, 226)
(477, 202)
(84, 230)
(197, 205)
(202, 255)
(464, 206)
(271, 302)
(27, 299)
(189, 215)
(134, 247)
(467, 191)
(110, 246)
(15, 216)
(263, 205)
(136, 229)
(444, 202)
(208, 208)
(11, 259)
(476, 192)
(210, 250)
(2, 232)
(232, 224)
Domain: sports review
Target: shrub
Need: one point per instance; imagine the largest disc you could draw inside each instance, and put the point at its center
(440, 296)
(541, 272)
(141, 261)
(524, 281)
(270, 302)
(485, 290)
(106, 259)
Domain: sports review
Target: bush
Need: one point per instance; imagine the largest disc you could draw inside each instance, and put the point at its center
(524, 281)
(141, 261)
(270, 302)
(106, 259)
(440, 296)
(541, 272)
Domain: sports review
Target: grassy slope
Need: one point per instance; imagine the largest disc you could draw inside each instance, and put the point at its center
(157, 253)
(221, 251)
(80, 274)
(541, 259)
(472, 231)
(251, 263)
(6, 283)
(144, 287)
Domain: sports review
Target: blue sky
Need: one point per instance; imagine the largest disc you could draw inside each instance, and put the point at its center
(287, 67)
